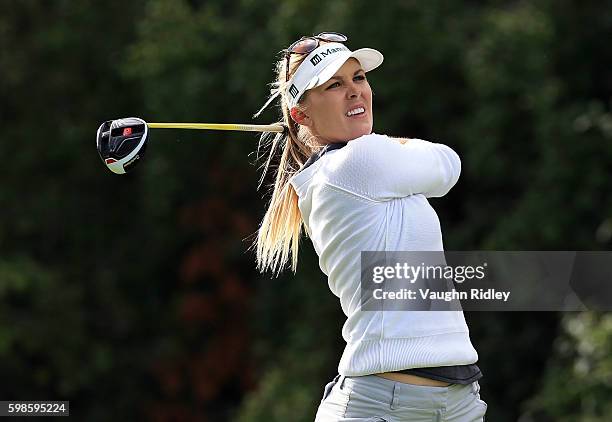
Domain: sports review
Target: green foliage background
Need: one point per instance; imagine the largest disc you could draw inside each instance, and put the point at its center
(135, 297)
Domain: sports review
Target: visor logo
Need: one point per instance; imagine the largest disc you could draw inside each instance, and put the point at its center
(293, 91)
(316, 59)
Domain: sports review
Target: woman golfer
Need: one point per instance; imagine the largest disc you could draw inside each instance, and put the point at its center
(353, 191)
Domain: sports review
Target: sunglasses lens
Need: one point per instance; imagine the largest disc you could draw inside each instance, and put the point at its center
(332, 36)
(304, 46)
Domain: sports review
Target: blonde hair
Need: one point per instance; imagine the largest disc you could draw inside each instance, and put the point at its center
(281, 228)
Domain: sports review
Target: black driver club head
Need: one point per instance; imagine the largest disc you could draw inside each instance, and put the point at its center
(122, 143)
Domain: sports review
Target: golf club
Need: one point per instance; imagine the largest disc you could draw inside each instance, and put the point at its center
(122, 143)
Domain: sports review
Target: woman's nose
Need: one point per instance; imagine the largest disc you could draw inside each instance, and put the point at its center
(354, 90)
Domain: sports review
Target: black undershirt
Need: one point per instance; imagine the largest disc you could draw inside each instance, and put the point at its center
(456, 374)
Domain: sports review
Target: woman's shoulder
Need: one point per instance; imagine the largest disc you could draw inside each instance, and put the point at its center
(373, 138)
(363, 156)
(375, 145)
(366, 143)
(369, 138)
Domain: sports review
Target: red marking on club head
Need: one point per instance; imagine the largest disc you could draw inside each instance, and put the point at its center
(110, 161)
(127, 131)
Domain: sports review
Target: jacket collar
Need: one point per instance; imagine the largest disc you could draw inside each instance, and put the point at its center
(315, 156)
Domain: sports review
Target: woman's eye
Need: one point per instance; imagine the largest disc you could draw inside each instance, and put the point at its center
(359, 78)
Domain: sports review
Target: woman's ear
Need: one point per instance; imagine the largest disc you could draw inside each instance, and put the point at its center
(299, 116)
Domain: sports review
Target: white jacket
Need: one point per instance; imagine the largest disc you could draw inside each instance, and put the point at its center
(370, 195)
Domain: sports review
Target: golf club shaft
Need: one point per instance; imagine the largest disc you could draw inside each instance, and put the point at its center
(218, 126)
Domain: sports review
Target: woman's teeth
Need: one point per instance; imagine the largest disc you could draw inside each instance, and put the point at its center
(356, 111)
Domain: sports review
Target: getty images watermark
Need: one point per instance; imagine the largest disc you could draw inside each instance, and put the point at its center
(413, 273)
(486, 280)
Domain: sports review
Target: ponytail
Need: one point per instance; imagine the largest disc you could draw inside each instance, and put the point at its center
(279, 234)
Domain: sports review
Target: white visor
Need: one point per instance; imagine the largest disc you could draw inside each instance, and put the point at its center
(323, 63)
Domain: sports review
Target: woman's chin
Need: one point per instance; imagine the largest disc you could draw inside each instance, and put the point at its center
(363, 130)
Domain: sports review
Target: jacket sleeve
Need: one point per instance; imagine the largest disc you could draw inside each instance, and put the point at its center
(382, 168)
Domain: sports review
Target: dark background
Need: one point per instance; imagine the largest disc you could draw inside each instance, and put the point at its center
(136, 297)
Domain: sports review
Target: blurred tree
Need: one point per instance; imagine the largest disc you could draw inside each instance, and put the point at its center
(132, 296)
(578, 381)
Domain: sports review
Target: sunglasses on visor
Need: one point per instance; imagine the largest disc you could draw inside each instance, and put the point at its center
(306, 45)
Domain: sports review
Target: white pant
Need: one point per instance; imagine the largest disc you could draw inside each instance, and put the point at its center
(374, 399)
